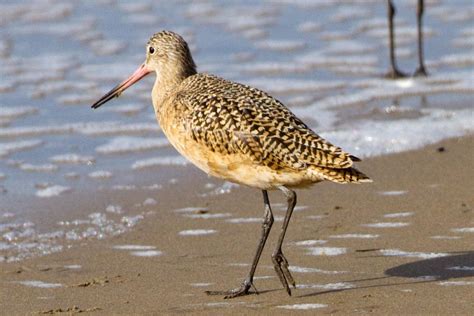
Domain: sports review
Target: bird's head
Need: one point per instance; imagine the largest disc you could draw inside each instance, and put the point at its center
(168, 55)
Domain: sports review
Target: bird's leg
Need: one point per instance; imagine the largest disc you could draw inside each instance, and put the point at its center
(279, 261)
(393, 71)
(248, 282)
(420, 71)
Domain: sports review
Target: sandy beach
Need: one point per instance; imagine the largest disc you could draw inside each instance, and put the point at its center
(99, 214)
(402, 245)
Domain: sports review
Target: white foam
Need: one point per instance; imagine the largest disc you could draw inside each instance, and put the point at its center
(463, 230)
(457, 59)
(73, 266)
(326, 251)
(52, 191)
(17, 111)
(239, 264)
(128, 187)
(263, 277)
(408, 254)
(316, 217)
(393, 193)
(356, 236)
(312, 270)
(404, 33)
(292, 86)
(154, 186)
(310, 242)
(197, 232)
(40, 284)
(201, 284)
(225, 188)
(327, 286)
(160, 161)
(146, 253)
(133, 247)
(208, 215)
(395, 215)
(350, 14)
(303, 306)
(130, 221)
(372, 138)
(299, 208)
(124, 144)
(115, 209)
(72, 158)
(35, 130)
(348, 47)
(446, 237)
(38, 168)
(456, 283)
(12, 147)
(100, 174)
(86, 128)
(386, 225)
(150, 201)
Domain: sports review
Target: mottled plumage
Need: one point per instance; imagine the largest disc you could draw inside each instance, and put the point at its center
(238, 133)
(232, 119)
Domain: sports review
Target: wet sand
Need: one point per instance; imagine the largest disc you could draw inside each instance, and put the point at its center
(422, 264)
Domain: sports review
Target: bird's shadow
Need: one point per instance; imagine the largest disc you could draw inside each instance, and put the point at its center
(458, 265)
(443, 268)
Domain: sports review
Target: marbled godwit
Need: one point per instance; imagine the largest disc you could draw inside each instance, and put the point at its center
(238, 133)
(393, 71)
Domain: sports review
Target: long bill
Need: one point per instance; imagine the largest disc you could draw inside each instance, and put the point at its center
(141, 72)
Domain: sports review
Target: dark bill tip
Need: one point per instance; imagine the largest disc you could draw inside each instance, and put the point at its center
(141, 72)
(114, 93)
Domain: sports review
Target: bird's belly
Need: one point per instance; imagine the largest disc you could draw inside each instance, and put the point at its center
(236, 168)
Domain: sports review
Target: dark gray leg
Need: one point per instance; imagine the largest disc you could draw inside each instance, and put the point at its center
(248, 282)
(420, 71)
(279, 261)
(393, 71)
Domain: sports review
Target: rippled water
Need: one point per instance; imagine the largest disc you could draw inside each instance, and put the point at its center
(324, 59)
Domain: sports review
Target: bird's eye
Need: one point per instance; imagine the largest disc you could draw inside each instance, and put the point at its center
(151, 50)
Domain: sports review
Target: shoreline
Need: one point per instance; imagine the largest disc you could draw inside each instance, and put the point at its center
(354, 248)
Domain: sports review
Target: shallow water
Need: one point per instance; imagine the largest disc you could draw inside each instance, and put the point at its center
(324, 59)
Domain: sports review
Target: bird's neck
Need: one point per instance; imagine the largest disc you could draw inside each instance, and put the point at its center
(168, 81)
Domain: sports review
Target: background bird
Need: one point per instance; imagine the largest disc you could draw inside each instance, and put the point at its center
(393, 71)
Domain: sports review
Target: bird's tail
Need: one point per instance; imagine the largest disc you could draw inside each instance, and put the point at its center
(344, 175)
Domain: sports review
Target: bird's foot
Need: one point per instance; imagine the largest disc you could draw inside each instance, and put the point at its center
(281, 267)
(394, 73)
(420, 72)
(244, 289)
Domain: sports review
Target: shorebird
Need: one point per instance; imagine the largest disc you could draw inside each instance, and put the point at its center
(238, 133)
(393, 71)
